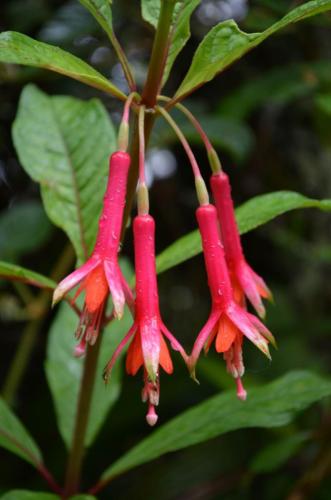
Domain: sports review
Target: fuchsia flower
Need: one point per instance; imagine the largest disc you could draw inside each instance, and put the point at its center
(148, 348)
(101, 273)
(228, 320)
(242, 275)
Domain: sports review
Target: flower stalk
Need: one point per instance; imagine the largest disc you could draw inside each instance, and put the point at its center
(201, 189)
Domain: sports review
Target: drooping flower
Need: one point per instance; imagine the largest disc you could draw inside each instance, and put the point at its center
(148, 348)
(101, 273)
(228, 320)
(241, 274)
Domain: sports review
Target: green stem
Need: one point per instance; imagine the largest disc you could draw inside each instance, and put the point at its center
(30, 333)
(75, 461)
(159, 54)
(123, 61)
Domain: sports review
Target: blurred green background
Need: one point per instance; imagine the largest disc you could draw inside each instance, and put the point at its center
(270, 117)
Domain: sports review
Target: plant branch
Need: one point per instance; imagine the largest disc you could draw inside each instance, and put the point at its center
(159, 54)
(75, 461)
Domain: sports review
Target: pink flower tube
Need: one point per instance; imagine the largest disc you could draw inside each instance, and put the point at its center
(101, 273)
(228, 321)
(242, 275)
(148, 348)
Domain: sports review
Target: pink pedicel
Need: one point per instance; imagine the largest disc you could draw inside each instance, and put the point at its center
(242, 275)
(148, 348)
(101, 273)
(228, 320)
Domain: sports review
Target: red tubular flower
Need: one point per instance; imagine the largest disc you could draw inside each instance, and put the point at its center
(228, 320)
(148, 348)
(101, 273)
(242, 275)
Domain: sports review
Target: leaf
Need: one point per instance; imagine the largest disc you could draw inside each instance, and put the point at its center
(180, 28)
(64, 144)
(150, 11)
(31, 229)
(225, 43)
(249, 215)
(101, 11)
(64, 373)
(180, 34)
(17, 48)
(276, 454)
(18, 273)
(273, 405)
(28, 495)
(278, 85)
(15, 438)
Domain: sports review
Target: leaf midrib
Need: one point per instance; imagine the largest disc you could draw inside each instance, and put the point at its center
(74, 181)
(34, 459)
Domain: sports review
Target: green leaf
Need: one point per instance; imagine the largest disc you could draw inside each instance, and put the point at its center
(18, 273)
(101, 11)
(28, 495)
(253, 213)
(15, 438)
(64, 373)
(180, 28)
(278, 453)
(64, 144)
(150, 11)
(225, 43)
(17, 48)
(180, 34)
(273, 405)
(31, 229)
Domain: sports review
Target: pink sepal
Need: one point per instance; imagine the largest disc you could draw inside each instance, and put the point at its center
(174, 342)
(202, 339)
(252, 284)
(118, 350)
(74, 278)
(114, 279)
(242, 320)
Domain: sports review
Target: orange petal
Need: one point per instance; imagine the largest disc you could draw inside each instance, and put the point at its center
(165, 359)
(238, 294)
(96, 287)
(134, 357)
(226, 334)
(210, 339)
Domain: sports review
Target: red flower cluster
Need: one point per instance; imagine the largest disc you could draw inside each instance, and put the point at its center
(231, 280)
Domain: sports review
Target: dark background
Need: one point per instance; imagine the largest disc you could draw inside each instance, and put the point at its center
(270, 117)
